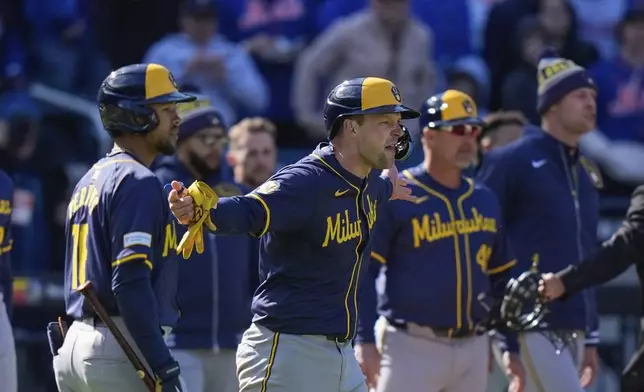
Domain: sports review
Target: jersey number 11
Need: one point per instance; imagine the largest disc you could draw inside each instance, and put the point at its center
(79, 256)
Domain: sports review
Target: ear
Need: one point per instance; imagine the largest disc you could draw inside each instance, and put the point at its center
(486, 144)
(428, 136)
(231, 159)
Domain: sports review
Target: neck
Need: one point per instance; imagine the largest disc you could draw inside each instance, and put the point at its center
(133, 146)
(445, 174)
(351, 161)
(632, 57)
(238, 177)
(560, 133)
(183, 158)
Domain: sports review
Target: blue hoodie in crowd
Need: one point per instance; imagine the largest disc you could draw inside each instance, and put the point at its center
(214, 295)
(291, 22)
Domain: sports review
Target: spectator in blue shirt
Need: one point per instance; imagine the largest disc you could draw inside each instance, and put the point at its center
(273, 32)
(222, 70)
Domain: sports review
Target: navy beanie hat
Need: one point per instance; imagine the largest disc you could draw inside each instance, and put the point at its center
(557, 78)
(195, 120)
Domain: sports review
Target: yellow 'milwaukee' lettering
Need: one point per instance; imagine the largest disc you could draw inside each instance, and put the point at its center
(371, 213)
(170, 241)
(433, 228)
(341, 229)
(5, 207)
(85, 197)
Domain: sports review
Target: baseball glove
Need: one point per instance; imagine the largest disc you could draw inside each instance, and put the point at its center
(522, 307)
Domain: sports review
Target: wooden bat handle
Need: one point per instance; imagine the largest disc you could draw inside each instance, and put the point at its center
(87, 290)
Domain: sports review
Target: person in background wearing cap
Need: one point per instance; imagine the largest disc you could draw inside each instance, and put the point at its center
(429, 312)
(213, 286)
(315, 219)
(548, 194)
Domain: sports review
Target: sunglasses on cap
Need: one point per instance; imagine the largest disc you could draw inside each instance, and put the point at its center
(463, 129)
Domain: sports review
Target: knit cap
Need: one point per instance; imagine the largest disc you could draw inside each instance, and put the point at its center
(558, 77)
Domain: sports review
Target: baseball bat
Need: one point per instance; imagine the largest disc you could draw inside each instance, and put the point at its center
(87, 290)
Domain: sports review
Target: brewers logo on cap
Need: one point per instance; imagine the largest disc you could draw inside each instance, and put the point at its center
(451, 107)
(467, 106)
(396, 93)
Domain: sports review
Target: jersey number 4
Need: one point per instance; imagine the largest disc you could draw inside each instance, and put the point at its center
(79, 256)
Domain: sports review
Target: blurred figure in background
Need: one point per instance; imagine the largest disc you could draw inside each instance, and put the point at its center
(213, 286)
(252, 152)
(222, 70)
(597, 21)
(64, 45)
(19, 134)
(383, 40)
(559, 20)
(518, 92)
(618, 144)
(13, 54)
(8, 366)
(273, 32)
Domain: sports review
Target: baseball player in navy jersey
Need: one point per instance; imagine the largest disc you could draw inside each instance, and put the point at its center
(8, 370)
(315, 220)
(117, 223)
(437, 255)
(547, 190)
(213, 286)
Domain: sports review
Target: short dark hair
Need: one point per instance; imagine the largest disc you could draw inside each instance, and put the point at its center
(339, 123)
(198, 9)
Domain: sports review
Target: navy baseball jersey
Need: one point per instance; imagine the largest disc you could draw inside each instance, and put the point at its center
(440, 253)
(6, 242)
(118, 215)
(315, 221)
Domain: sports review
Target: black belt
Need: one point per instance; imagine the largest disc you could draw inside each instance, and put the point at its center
(441, 332)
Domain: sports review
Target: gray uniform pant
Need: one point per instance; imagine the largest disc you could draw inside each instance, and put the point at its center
(416, 360)
(8, 370)
(276, 362)
(90, 360)
(208, 370)
(547, 371)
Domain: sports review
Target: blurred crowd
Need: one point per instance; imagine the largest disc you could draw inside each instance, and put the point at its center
(277, 59)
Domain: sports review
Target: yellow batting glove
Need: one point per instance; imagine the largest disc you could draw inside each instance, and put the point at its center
(205, 199)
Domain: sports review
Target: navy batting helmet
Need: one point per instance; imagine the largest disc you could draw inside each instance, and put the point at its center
(125, 96)
(363, 96)
(367, 96)
(449, 108)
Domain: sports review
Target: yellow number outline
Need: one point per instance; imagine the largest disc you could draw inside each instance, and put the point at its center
(483, 257)
(79, 254)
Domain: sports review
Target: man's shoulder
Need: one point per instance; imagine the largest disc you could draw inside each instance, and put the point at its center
(518, 150)
(6, 184)
(299, 175)
(116, 175)
(484, 193)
